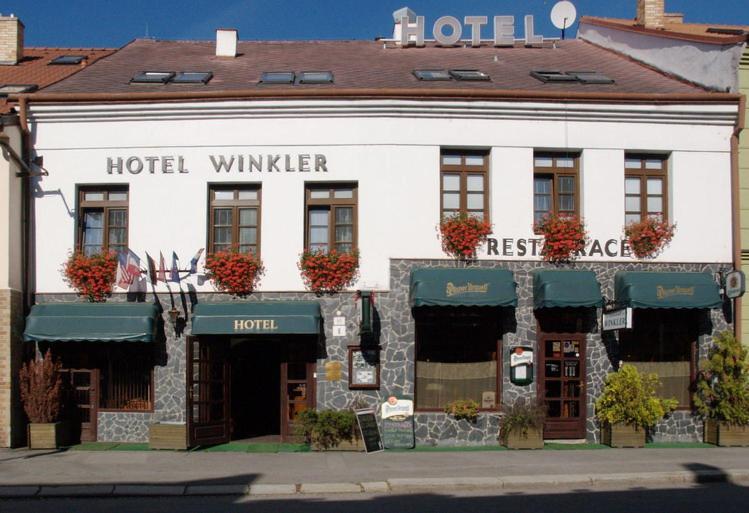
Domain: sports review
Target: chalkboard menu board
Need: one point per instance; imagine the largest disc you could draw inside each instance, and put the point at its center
(370, 433)
(398, 423)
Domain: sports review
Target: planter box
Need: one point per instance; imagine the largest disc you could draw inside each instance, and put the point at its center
(725, 434)
(167, 436)
(45, 436)
(533, 440)
(623, 435)
(356, 446)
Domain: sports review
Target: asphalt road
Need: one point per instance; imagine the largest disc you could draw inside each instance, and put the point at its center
(723, 497)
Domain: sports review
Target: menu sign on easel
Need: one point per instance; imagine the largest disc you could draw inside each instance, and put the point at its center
(368, 429)
(398, 423)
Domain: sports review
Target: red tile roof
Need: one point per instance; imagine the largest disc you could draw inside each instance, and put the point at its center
(366, 65)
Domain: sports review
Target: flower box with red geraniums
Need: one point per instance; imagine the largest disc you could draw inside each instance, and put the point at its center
(328, 272)
(649, 237)
(91, 276)
(234, 272)
(461, 235)
(564, 237)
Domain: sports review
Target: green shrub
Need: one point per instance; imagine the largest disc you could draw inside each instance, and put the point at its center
(521, 416)
(463, 409)
(629, 397)
(723, 382)
(327, 428)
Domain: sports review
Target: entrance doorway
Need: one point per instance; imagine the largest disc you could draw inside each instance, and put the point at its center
(80, 403)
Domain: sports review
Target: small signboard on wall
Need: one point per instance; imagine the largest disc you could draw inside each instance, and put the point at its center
(618, 319)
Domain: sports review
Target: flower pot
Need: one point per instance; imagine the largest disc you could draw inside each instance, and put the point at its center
(623, 435)
(533, 439)
(45, 436)
(725, 434)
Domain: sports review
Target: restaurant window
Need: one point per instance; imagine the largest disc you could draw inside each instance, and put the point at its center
(456, 357)
(645, 187)
(234, 218)
(102, 219)
(664, 341)
(555, 185)
(126, 379)
(463, 178)
(331, 217)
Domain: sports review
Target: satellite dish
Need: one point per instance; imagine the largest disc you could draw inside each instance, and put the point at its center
(563, 15)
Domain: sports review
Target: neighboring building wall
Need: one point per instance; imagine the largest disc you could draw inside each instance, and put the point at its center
(709, 65)
(11, 298)
(744, 190)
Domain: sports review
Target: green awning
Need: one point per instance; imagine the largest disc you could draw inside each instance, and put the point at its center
(462, 287)
(554, 288)
(257, 317)
(91, 322)
(667, 290)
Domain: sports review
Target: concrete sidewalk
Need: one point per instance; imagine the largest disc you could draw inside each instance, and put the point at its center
(26, 473)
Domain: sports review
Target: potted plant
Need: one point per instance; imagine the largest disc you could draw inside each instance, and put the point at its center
(649, 237)
(462, 234)
(722, 395)
(328, 272)
(40, 385)
(92, 276)
(629, 405)
(564, 237)
(326, 430)
(463, 409)
(234, 272)
(521, 425)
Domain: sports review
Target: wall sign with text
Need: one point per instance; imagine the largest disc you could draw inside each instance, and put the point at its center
(363, 368)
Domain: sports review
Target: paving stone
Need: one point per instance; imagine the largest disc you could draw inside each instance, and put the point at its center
(375, 487)
(330, 488)
(238, 489)
(272, 489)
(149, 490)
(76, 490)
(18, 491)
(428, 483)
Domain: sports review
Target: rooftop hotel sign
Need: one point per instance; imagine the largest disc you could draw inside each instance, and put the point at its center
(448, 30)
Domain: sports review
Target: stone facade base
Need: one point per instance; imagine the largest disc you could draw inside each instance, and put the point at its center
(12, 425)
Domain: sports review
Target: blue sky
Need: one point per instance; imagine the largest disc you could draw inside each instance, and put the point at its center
(112, 23)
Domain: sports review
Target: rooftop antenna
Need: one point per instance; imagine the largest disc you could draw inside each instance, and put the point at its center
(563, 15)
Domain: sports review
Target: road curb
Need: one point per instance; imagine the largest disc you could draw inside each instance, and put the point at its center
(394, 485)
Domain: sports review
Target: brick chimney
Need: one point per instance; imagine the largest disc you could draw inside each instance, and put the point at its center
(11, 40)
(651, 13)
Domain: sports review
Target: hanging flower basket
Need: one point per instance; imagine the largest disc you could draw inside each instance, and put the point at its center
(462, 235)
(91, 276)
(564, 237)
(649, 237)
(328, 273)
(234, 272)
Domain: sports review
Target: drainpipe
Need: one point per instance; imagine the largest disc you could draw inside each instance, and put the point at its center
(736, 206)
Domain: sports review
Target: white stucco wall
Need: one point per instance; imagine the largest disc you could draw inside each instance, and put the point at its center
(395, 161)
(10, 215)
(710, 65)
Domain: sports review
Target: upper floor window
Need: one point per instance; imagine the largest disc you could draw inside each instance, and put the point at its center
(555, 185)
(331, 217)
(102, 219)
(234, 218)
(645, 186)
(464, 184)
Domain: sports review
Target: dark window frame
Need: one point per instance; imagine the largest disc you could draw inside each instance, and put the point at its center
(105, 206)
(235, 205)
(644, 174)
(556, 172)
(464, 171)
(331, 203)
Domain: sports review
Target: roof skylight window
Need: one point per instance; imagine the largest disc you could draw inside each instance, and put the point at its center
(552, 76)
(192, 77)
(7, 89)
(432, 74)
(68, 59)
(591, 77)
(315, 77)
(277, 77)
(468, 74)
(152, 77)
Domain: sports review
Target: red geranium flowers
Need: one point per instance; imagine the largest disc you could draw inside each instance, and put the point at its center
(328, 272)
(234, 272)
(564, 237)
(91, 276)
(649, 237)
(462, 234)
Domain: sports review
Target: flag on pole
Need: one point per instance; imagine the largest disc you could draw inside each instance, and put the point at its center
(194, 261)
(151, 269)
(162, 268)
(174, 273)
(128, 268)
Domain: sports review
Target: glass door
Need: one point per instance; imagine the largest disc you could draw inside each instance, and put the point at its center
(297, 385)
(207, 391)
(562, 385)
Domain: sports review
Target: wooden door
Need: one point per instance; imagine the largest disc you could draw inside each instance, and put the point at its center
(297, 386)
(208, 405)
(561, 383)
(81, 406)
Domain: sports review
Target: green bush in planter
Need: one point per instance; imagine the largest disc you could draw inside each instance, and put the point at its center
(326, 429)
(520, 417)
(629, 397)
(723, 382)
